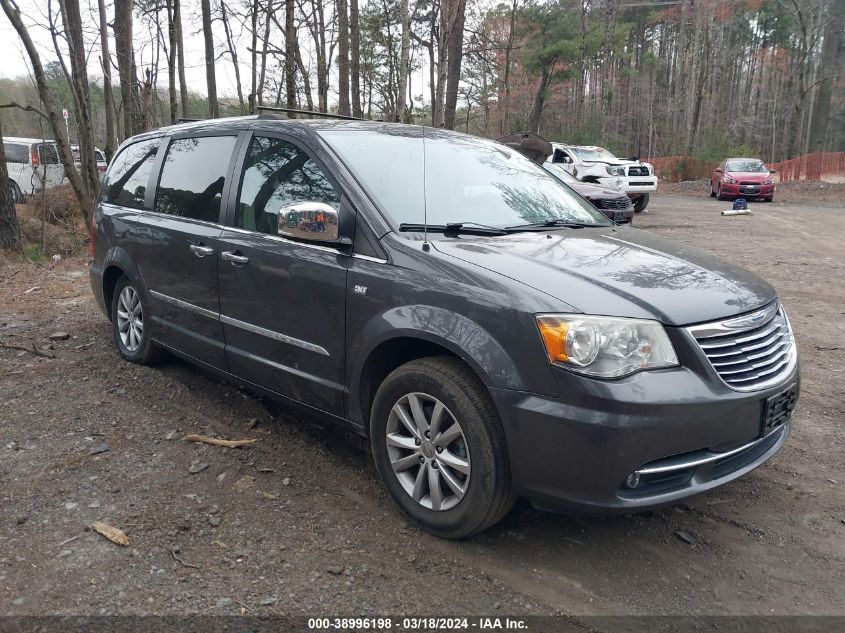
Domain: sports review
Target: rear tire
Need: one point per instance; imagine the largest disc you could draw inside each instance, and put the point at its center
(456, 481)
(712, 193)
(130, 320)
(641, 203)
(17, 196)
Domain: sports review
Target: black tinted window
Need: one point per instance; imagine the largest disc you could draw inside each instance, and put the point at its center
(193, 177)
(277, 174)
(48, 153)
(16, 153)
(126, 183)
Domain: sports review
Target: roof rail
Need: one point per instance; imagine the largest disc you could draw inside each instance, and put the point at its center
(308, 112)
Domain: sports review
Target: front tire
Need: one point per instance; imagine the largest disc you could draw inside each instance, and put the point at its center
(719, 195)
(440, 449)
(130, 324)
(641, 203)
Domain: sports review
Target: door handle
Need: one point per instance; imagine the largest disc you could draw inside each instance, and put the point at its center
(234, 258)
(200, 250)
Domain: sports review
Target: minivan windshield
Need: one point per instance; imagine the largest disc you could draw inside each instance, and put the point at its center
(456, 179)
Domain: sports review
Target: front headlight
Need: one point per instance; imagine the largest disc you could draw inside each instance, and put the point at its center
(730, 181)
(605, 347)
(615, 171)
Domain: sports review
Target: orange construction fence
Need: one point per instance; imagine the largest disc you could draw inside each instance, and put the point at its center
(807, 167)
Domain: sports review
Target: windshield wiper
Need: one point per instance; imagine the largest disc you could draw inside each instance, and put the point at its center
(466, 228)
(551, 223)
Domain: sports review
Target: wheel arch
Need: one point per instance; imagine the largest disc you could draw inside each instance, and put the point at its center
(390, 347)
(116, 264)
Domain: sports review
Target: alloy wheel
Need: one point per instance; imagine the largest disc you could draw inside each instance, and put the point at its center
(428, 451)
(130, 318)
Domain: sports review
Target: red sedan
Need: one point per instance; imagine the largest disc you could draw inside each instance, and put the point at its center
(742, 178)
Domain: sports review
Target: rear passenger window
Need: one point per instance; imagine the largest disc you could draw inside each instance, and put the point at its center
(193, 177)
(48, 154)
(127, 179)
(16, 153)
(277, 174)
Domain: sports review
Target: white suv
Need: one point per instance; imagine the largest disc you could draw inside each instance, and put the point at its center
(597, 165)
(33, 165)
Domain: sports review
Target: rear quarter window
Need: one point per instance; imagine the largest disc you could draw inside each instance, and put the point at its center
(126, 181)
(16, 152)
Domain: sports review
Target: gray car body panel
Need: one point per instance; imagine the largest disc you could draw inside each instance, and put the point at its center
(475, 297)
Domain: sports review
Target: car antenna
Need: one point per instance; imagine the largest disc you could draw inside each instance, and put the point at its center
(426, 246)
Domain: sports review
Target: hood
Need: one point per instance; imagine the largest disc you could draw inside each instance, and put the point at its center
(589, 190)
(618, 272)
(748, 176)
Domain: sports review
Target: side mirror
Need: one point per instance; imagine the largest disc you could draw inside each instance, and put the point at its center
(310, 221)
(719, 170)
(772, 170)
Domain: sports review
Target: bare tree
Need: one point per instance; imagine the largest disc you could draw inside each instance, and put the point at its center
(404, 60)
(84, 194)
(291, 49)
(211, 79)
(180, 57)
(343, 58)
(455, 45)
(355, 61)
(108, 97)
(126, 66)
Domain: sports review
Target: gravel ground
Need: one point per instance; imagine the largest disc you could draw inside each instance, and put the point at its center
(297, 523)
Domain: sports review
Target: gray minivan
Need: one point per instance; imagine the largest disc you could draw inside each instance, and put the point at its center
(492, 333)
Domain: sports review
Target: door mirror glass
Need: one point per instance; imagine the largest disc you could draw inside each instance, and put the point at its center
(312, 221)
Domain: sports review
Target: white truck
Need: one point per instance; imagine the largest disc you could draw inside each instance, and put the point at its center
(597, 165)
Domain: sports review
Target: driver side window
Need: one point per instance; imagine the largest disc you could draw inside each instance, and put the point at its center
(277, 174)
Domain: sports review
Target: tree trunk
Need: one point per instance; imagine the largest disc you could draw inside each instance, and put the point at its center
(211, 80)
(506, 101)
(180, 58)
(171, 63)
(263, 76)
(540, 98)
(108, 97)
(442, 59)
(455, 57)
(355, 61)
(10, 232)
(125, 64)
(404, 60)
(72, 19)
(827, 74)
(233, 53)
(290, 53)
(343, 106)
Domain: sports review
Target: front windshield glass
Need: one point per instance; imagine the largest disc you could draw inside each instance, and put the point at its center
(748, 166)
(593, 153)
(467, 179)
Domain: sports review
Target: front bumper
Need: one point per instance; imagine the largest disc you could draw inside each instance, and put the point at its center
(752, 191)
(632, 185)
(684, 431)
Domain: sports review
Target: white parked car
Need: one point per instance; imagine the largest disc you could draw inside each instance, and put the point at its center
(33, 164)
(99, 155)
(597, 165)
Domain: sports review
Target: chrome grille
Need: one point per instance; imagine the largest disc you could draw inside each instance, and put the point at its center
(612, 203)
(749, 352)
(638, 170)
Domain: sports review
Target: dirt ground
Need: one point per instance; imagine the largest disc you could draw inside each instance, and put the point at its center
(298, 523)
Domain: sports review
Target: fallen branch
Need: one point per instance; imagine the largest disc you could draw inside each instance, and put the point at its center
(218, 442)
(181, 562)
(33, 351)
(111, 533)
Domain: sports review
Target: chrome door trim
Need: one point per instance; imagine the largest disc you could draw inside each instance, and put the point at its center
(184, 304)
(279, 238)
(249, 327)
(276, 336)
(369, 258)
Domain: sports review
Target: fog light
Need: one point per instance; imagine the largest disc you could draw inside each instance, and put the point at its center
(633, 480)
